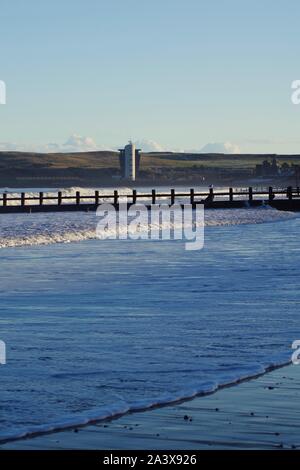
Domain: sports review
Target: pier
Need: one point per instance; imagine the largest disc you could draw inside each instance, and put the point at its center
(282, 199)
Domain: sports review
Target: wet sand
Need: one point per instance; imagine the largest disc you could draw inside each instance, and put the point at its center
(259, 414)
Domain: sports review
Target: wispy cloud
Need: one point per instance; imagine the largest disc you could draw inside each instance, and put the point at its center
(149, 146)
(221, 147)
(79, 143)
(75, 143)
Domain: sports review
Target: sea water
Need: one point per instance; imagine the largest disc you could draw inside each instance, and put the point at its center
(97, 328)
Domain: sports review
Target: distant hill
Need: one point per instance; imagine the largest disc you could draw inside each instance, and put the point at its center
(24, 169)
(102, 159)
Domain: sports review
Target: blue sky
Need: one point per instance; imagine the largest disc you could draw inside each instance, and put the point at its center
(183, 73)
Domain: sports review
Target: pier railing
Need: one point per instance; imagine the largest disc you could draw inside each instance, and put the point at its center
(60, 201)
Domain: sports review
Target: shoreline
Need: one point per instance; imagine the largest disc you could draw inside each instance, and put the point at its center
(30, 439)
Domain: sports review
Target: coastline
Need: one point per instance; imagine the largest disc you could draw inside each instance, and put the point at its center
(259, 413)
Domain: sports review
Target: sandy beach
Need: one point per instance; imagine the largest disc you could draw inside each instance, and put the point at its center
(257, 414)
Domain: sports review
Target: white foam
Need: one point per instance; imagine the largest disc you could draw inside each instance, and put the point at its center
(262, 214)
(47, 228)
(117, 410)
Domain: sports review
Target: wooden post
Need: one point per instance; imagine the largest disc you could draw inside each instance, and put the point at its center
(116, 197)
(96, 198)
(134, 196)
(153, 196)
(271, 195)
(192, 196)
(41, 198)
(4, 199)
(22, 199)
(230, 194)
(172, 197)
(250, 194)
(211, 194)
(59, 198)
(289, 193)
(77, 198)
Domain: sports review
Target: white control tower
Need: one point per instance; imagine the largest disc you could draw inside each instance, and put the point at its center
(129, 159)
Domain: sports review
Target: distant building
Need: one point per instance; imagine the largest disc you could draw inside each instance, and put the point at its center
(272, 168)
(268, 168)
(129, 161)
